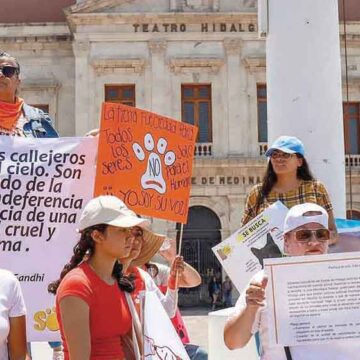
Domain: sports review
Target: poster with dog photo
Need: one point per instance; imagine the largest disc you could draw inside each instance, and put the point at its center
(243, 253)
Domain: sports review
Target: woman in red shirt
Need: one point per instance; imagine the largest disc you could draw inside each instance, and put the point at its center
(91, 304)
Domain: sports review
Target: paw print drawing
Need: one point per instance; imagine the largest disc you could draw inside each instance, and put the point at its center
(153, 176)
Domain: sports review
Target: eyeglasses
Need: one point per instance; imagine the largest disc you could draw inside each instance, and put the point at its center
(305, 235)
(280, 155)
(9, 71)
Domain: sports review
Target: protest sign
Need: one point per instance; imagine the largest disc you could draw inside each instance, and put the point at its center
(160, 338)
(145, 159)
(313, 299)
(242, 254)
(44, 185)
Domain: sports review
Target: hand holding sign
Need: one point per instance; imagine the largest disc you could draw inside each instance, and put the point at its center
(145, 159)
(255, 293)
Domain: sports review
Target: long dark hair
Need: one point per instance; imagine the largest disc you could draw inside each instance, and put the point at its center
(269, 180)
(85, 247)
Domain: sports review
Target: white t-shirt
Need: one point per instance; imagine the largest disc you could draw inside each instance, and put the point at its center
(340, 351)
(11, 305)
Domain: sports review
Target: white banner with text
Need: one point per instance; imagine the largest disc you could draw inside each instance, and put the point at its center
(44, 185)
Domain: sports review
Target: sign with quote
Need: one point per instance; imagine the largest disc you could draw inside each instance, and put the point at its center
(44, 185)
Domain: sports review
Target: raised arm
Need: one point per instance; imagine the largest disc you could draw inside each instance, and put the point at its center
(189, 277)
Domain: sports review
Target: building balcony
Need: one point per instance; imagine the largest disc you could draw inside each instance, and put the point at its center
(352, 160)
(263, 146)
(203, 150)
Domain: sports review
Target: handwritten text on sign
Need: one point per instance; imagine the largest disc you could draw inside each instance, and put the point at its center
(146, 160)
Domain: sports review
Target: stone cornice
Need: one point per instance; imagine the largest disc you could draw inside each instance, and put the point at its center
(106, 66)
(181, 65)
(36, 39)
(34, 29)
(152, 18)
(255, 64)
(40, 85)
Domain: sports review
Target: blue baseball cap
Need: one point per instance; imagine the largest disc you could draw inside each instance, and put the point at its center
(287, 144)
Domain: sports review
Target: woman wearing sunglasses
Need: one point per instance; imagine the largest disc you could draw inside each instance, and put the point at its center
(16, 117)
(91, 294)
(288, 179)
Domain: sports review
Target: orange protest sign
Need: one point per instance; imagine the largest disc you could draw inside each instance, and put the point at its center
(145, 159)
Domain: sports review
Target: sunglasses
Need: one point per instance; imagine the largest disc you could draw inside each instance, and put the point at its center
(9, 71)
(305, 235)
(281, 155)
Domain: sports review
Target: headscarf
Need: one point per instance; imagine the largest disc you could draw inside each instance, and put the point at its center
(10, 113)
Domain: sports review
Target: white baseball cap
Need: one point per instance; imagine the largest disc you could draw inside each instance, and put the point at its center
(110, 210)
(297, 216)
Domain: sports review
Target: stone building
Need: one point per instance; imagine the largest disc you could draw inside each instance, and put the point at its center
(199, 61)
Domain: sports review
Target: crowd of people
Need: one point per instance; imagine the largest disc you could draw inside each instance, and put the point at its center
(99, 291)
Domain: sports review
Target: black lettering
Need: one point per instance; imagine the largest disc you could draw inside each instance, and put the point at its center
(233, 28)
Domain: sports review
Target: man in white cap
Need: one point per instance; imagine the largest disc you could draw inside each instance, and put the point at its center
(305, 233)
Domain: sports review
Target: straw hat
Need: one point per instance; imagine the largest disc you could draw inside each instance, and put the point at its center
(150, 246)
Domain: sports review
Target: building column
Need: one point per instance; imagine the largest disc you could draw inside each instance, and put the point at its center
(160, 93)
(304, 86)
(237, 98)
(82, 117)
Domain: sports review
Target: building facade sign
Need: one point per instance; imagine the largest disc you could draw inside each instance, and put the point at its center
(203, 27)
(225, 180)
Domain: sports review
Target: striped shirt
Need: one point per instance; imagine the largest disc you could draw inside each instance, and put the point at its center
(312, 191)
